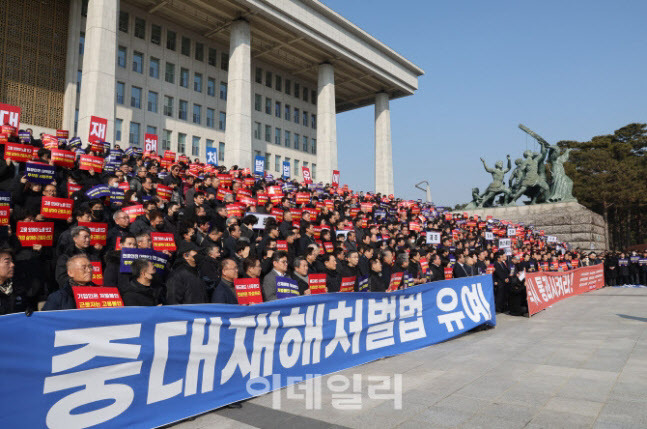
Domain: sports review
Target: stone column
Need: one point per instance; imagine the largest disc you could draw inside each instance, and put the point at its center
(99, 63)
(326, 124)
(71, 66)
(238, 134)
(383, 150)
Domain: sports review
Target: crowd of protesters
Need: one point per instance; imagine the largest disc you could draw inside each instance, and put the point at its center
(229, 224)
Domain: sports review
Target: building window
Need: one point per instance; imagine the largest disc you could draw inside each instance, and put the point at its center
(184, 107)
(168, 106)
(154, 68)
(152, 101)
(296, 141)
(277, 109)
(288, 86)
(268, 105)
(258, 77)
(268, 133)
(140, 28)
(296, 168)
(170, 40)
(123, 21)
(213, 57)
(166, 139)
(287, 139)
(118, 125)
(151, 130)
(184, 77)
(199, 51)
(257, 102)
(287, 112)
(296, 115)
(136, 97)
(313, 97)
(133, 136)
(223, 91)
(268, 79)
(197, 113)
(305, 97)
(181, 142)
(121, 88)
(211, 115)
(277, 162)
(211, 87)
(257, 130)
(277, 136)
(279, 83)
(268, 158)
(197, 82)
(122, 55)
(222, 121)
(156, 34)
(305, 143)
(82, 43)
(224, 61)
(313, 171)
(305, 118)
(313, 121)
(138, 62)
(297, 89)
(186, 46)
(209, 143)
(221, 151)
(169, 74)
(314, 146)
(195, 146)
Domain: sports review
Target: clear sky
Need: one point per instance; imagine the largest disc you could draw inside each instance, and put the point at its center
(569, 70)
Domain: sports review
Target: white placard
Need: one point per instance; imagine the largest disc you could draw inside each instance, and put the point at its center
(551, 239)
(489, 235)
(512, 232)
(433, 237)
(262, 219)
(505, 243)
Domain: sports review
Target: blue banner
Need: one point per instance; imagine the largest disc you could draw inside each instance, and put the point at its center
(286, 287)
(286, 169)
(98, 191)
(212, 155)
(74, 142)
(117, 195)
(39, 173)
(142, 367)
(259, 165)
(128, 256)
(5, 197)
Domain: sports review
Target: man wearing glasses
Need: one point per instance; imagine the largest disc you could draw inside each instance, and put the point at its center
(279, 268)
(79, 271)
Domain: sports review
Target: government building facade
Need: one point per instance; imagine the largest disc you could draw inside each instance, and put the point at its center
(249, 77)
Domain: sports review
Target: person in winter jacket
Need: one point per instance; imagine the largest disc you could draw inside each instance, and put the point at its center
(79, 273)
(184, 285)
(139, 291)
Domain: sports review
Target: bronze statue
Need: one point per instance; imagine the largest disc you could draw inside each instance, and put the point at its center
(529, 178)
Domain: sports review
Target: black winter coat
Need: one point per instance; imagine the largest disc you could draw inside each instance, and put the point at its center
(136, 294)
(184, 286)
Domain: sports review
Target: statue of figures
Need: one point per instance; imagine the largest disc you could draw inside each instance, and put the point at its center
(533, 184)
(561, 189)
(476, 199)
(517, 175)
(496, 187)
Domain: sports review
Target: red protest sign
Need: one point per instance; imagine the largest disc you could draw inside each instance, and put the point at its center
(98, 127)
(307, 179)
(225, 180)
(134, 211)
(222, 193)
(335, 178)
(235, 210)
(276, 199)
(56, 208)
(4, 214)
(328, 246)
(30, 233)
(150, 143)
(163, 241)
(396, 281)
(248, 291)
(91, 163)
(347, 284)
(303, 198)
(10, 115)
(97, 297)
(278, 213)
(317, 283)
(63, 158)
(62, 134)
(281, 245)
(98, 232)
(96, 147)
(97, 273)
(170, 155)
(72, 188)
(164, 192)
(448, 273)
(50, 141)
(18, 152)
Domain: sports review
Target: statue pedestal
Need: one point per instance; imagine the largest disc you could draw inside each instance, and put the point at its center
(569, 222)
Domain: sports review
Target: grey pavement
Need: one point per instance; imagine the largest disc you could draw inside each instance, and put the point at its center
(580, 364)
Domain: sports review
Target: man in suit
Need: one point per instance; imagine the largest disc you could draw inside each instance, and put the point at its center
(501, 282)
(460, 268)
(436, 271)
(279, 268)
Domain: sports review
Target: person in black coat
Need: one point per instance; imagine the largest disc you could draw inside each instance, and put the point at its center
(225, 292)
(460, 268)
(501, 279)
(300, 274)
(81, 239)
(122, 222)
(138, 292)
(436, 271)
(9, 296)
(333, 279)
(112, 275)
(375, 279)
(184, 285)
(79, 273)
